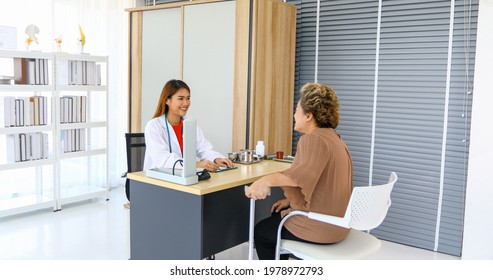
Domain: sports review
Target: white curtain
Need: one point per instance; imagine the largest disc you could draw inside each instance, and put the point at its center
(105, 25)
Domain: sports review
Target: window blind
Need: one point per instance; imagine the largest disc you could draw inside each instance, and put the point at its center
(422, 105)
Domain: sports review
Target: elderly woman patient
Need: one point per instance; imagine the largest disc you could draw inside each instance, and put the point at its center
(319, 179)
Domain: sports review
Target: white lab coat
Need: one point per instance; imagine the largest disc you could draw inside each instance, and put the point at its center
(157, 146)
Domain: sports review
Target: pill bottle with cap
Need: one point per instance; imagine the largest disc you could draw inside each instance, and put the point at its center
(260, 149)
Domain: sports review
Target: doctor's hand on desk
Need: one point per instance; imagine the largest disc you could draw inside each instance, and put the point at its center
(224, 162)
(258, 190)
(207, 164)
(212, 166)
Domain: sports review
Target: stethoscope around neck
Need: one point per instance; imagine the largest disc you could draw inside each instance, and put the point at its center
(167, 129)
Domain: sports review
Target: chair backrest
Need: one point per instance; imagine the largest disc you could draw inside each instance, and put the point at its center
(369, 205)
(136, 148)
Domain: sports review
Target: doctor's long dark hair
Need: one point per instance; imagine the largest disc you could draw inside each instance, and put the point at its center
(169, 89)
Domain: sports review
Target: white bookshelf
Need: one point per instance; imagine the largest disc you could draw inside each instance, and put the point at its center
(64, 177)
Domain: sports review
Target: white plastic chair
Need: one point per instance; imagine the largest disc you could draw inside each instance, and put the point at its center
(366, 210)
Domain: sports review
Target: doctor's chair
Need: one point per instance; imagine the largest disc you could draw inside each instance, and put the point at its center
(136, 148)
(366, 210)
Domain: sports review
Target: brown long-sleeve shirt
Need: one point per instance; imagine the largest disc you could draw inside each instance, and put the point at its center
(323, 171)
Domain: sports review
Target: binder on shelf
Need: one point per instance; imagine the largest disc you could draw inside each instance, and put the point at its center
(83, 139)
(41, 71)
(76, 139)
(19, 112)
(70, 110)
(46, 73)
(13, 148)
(34, 140)
(63, 72)
(7, 103)
(34, 100)
(28, 146)
(30, 72)
(76, 108)
(84, 72)
(44, 145)
(3, 113)
(36, 71)
(41, 110)
(79, 72)
(98, 74)
(27, 111)
(21, 70)
(66, 104)
(45, 109)
(83, 109)
(22, 137)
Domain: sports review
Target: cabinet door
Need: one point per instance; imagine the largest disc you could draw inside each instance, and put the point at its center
(272, 84)
(208, 68)
(161, 56)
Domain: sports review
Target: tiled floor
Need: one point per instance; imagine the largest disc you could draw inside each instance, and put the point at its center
(99, 230)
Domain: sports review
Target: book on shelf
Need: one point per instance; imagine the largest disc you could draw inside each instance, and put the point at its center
(20, 70)
(31, 108)
(73, 109)
(63, 73)
(45, 72)
(27, 146)
(7, 104)
(43, 110)
(19, 112)
(3, 113)
(23, 111)
(29, 71)
(22, 137)
(73, 140)
(78, 72)
(13, 148)
(83, 109)
(27, 111)
(34, 100)
(43, 141)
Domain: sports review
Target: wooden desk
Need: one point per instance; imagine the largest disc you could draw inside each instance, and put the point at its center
(171, 221)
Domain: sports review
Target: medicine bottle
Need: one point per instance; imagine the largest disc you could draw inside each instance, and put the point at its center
(260, 149)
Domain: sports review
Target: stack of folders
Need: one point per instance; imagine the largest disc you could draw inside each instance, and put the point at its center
(31, 71)
(73, 109)
(27, 146)
(23, 111)
(73, 140)
(78, 72)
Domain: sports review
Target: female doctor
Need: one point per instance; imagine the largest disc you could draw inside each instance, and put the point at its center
(164, 133)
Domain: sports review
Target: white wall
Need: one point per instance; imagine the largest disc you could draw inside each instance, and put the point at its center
(478, 224)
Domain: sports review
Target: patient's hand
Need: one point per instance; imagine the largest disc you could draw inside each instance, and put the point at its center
(280, 205)
(258, 190)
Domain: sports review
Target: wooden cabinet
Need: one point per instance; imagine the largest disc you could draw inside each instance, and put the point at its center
(236, 56)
